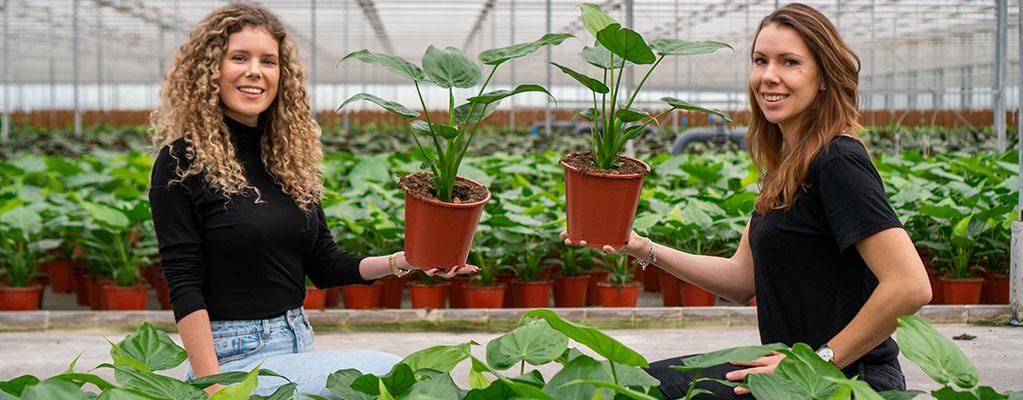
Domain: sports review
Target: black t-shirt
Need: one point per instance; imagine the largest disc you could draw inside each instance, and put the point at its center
(810, 278)
(236, 258)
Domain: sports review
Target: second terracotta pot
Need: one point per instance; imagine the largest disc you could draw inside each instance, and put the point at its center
(478, 296)
(670, 295)
(20, 299)
(361, 297)
(570, 291)
(439, 234)
(695, 296)
(125, 297)
(314, 298)
(962, 291)
(600, 208)
(433, 295)
(613, 295)
(530, 294)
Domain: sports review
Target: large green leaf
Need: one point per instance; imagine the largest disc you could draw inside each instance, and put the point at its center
(496, 95)
(449, 68)
(388, 105)
(807, 372)
(157, 385)
(22, 219)
(679, 47)
(535, 343)
(773, 387)
(16, 386)
(395, 383)
(242, 390)
(937, 356)
(54, 390)
(524, 390)
(500, 55)
(152, 348)
(107, 217)
(600, 57)
(284, 392)
(81, 379)
(617, 388)
(626, 43)
(340, 384)
(747, 353)
(595, 19)
(630, 115)
(439, 358)
(590, 83)
(580, 368)
(120, 394)
(860, 389)
(396, 64)
(478, 113)
(677, 104)
(900, 395)
(440, 387)
(596, 340)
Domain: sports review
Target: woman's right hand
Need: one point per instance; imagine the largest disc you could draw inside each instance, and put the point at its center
(636, 246)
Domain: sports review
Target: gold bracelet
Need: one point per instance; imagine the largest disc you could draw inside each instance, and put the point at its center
(392, 261)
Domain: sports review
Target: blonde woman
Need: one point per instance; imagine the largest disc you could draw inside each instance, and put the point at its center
(824, 252)
(235, 201)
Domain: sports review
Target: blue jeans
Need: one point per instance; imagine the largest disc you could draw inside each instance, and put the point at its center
(284, 344)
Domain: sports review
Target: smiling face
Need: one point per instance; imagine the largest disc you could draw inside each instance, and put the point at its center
(785, 78)
(249, 74)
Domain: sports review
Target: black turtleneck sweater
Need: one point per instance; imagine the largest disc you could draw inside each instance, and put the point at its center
(236, 258)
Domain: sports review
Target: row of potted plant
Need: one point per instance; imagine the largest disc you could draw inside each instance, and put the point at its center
(608, 369)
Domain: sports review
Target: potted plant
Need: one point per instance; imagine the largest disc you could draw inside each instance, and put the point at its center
(483, 290)
(428, 292)
(22, 249)
(442, 209)
(956, 249)
(570, 283)
(116, 243)
(602, 187)
(619, 290)
(527, 240)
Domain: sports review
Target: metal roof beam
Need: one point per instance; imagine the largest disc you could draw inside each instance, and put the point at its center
(369, 10)
(488, 5)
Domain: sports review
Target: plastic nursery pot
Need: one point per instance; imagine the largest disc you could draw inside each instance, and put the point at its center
(125, 297)
(592, 291)
(479, 296)
(601, 207)
(20, 299)
(314, 298)
(61, 273)
(529, 294)
(428, 295)
(361, 297)
(439, 234)
(570, 291)
(391, 292)
(996, 289)
(962, 291)
(614, 295)
(670, 295)
(456, 293)
(695, 296)
(937, 288)
(333, 297)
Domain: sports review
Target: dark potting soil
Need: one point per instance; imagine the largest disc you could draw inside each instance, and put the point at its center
(464, 191)
(585, 164)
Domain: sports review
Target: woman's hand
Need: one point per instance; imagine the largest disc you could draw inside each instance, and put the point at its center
(446, 273)
(636, 245)
(762, 365)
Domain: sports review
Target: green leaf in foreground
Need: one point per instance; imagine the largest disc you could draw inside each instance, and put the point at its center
(596, 340)
(54, 390)
(152, 348)
(439, 358)
(534, 342)
(747, 353)
(937, 356)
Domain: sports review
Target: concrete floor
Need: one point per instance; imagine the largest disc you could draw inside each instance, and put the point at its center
(996, 351)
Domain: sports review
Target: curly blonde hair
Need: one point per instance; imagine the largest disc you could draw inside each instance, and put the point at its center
(190, 108)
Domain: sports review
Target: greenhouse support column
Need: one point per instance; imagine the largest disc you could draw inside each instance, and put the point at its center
(345, 117)
(99, 59)
(5, 133)
(674, 28)
(312, 69)
(547, 70)
(511, 66)
(1016, 258)
(1001, 37)
(74, 67)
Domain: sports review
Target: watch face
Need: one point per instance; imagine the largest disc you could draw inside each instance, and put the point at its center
(826, 353)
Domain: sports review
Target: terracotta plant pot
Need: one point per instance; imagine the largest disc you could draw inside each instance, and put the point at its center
(154, 275)
(361, 297)
(391, 291)
(125, 297)
(996, 289)
(570, 291)
(314, 298)
(600, 207)
(592, 291)
(651, 282)
(438, 234)
(506, 279)
(752, 302)
(97, 300)
(937, 288)
(670, 295)
(478, 296)
(962, 291)
(428, 295)
(20, 299)
(456, 293)
(531, 294)
(613, 295)
(81, 291)
(333, 297)
(61, 274)
(695, 296)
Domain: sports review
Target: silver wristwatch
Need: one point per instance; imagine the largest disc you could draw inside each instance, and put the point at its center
(826, 354)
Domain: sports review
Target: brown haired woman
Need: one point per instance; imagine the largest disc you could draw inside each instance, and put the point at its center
(235, 201)
(824, 252)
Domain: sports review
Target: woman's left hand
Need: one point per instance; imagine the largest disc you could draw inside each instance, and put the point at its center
(762, 365)
(446, 273)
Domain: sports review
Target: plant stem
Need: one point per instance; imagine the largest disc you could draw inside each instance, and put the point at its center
(472, 108)
(614, 374)
(641, 82)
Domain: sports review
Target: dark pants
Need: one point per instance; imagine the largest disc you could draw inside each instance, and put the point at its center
(675, 383)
